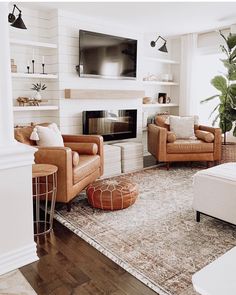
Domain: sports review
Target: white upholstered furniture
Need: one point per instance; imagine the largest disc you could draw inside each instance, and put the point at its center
(218, 277)
(215, 192)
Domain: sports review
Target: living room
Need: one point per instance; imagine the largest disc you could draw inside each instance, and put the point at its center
(126, 112)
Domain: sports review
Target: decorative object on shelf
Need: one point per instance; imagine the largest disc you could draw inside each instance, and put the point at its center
(225, 84)
(163, 48)
(147, 100)
(167, 77)
(22, 101)
(43, 64)
(16, 23)
(162, 97)
(26, 101)
(150, 77)
(13, 66)
(33, 60)
(38, 87)
(28, 67)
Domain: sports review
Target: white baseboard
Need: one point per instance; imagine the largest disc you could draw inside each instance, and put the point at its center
(18, 258)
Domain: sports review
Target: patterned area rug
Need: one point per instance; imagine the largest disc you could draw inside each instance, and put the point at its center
(157, 239)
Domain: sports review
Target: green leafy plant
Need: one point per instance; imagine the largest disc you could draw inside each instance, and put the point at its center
(38, 87)
(226, 86)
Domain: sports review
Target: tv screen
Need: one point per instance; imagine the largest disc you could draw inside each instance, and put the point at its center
(106, 56)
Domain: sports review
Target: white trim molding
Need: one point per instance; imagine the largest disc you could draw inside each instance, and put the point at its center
(16, 155)
(18, 258)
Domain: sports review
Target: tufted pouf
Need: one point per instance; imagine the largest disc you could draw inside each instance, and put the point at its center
(112, 194)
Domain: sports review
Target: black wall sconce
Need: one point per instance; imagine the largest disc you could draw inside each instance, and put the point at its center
(163, 48)
(16, 22)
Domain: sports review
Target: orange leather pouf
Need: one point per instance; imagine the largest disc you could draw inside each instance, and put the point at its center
(112, 194)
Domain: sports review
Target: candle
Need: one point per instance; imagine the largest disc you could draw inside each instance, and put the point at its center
(33, 55)
(28, 63)
(43, 59)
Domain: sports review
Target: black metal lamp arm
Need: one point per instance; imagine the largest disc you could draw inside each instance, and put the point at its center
(15, 7)
(159, 37)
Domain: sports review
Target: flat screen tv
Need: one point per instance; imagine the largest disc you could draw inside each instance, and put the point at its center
(106, 56)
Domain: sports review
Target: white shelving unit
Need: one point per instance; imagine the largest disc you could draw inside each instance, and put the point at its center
(160, 83)
(33, 43)
(159, 105)
(161, 60)
(34, 76)
(35, 108)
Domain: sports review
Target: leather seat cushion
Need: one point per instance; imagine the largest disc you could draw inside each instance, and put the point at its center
(187, 146)
(87, 165)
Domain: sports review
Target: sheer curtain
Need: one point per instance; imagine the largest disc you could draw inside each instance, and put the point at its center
(187, 103)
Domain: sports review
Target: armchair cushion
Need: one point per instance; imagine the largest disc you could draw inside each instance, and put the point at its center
(183, 127)
(171, 137)
(205, 135)
(87, 165)
(183, 146)
(75, 159)
(83, 148)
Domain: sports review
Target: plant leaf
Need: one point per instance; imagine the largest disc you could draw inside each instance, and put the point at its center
(234, 132)
(215, 108)
(209, 98)
(220, 83)
(231, 41)
(216, 118)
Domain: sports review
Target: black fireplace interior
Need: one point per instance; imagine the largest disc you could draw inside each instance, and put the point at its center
(112, 124)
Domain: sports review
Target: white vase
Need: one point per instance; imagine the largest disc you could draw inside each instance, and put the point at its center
(37, 95)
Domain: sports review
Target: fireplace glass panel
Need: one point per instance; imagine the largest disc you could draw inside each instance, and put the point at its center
(112, 124)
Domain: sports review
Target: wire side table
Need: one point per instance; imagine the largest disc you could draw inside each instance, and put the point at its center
(44, 179)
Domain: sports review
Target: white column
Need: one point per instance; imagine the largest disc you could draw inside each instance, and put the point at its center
(17, 246)
(6, 113)
(187, 101)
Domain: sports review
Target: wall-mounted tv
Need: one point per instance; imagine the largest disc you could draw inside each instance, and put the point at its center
(106, 56)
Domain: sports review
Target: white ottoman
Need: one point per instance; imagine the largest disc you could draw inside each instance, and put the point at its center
(112, 160)
(131, 156)
(215, 192)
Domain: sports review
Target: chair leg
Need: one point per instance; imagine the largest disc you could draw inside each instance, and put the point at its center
(198, 216)
(167, 165)
(68, 205)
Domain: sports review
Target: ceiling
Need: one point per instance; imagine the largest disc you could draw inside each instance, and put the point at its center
(166, 18)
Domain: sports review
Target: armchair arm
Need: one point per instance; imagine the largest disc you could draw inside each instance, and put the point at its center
(62, 158)
(217, 141)
(157, 137)
(87, 139)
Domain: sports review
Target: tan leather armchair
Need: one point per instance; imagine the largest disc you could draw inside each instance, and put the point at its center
(71, 179)
(166, 149)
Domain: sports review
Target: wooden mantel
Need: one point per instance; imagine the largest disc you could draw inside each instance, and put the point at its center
(103, 94)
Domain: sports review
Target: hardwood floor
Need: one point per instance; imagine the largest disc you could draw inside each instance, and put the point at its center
(69, 265)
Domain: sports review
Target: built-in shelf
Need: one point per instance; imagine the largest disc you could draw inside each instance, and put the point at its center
(160, 83)
(34, 76)
(33, 43)
(161, 60)
(35, 108)
(159, 105)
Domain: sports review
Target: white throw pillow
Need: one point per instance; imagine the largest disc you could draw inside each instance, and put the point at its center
(47, 136)
(183, 127)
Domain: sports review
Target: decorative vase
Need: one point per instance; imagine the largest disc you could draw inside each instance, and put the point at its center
(37, 95)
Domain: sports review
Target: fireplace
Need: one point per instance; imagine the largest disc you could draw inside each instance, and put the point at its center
(111, 124)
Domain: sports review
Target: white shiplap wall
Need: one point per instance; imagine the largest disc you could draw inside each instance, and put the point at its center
(68, 49)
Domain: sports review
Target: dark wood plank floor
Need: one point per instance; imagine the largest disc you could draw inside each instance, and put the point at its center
(69, 265)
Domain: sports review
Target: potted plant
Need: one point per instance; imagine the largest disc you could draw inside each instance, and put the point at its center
(226, 86)
(38, 87)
